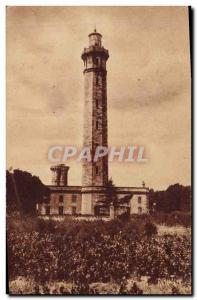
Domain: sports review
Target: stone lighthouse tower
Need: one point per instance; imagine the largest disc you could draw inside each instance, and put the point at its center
(94, 173)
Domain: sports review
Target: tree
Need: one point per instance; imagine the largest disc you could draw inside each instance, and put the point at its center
(111, 194)
(175, 197)
(112, 198)
(186, 199)
(29, 188)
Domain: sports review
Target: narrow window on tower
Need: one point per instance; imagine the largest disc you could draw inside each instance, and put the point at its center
(97, 62)
(97, 80)
(97, 103)
(97, 125)
(97, 169)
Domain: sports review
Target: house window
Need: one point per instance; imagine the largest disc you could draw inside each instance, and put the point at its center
(61, 210)
(139, 199)
(74, 209)
(61, 198)
(139, 210)
(47, 210)
(74, 198)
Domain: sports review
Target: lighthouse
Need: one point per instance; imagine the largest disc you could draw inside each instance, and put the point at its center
(90, 198)
(94, 174)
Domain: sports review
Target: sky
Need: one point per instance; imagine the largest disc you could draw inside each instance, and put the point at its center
(148, 88)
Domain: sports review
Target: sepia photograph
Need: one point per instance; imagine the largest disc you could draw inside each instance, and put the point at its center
(98, 150)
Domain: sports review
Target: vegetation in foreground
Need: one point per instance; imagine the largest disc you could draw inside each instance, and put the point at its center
(124, 256)
(89, 256)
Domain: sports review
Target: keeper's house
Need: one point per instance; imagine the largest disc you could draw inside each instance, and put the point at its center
(66, 200)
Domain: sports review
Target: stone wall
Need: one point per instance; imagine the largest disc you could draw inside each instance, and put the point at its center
(95, 127)
(87, 168)
(99, 127)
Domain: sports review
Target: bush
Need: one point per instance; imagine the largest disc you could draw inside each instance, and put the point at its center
(150, 229)
(173, 218)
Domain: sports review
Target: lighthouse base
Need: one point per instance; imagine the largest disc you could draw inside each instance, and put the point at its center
(92, 199)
